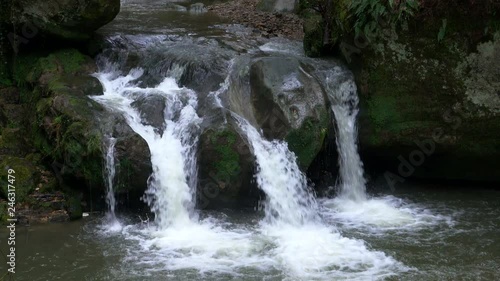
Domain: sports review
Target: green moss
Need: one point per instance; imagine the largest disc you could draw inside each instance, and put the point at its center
(227, 163)
(124, 176)
(29, 68)
(25, 69)
(307, 141)
(23, 179)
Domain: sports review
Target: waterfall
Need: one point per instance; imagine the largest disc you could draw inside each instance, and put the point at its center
(170, 192)
(278, 175)
(109, 172)
(344, 105)
(292, 238)
(352, 205)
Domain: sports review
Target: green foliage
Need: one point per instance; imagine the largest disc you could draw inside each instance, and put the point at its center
(5, 81)
(442, 31)
(307, 141)
(368, 14)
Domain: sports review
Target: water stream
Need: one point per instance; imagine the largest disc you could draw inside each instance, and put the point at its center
(109, 174)
(416, 233)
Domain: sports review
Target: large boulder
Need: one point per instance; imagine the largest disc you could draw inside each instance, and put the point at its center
(69, 129)
(281, 97)
(226, 170)
(431, 110)
(66, 19)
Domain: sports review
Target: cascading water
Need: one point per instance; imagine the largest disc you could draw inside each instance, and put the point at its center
(352, 203)
(278, 175)
(110, 171)
(172, 151)
(291, 241)
(305, 247)
(344, 105)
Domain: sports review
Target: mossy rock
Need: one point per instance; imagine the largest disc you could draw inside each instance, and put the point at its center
(226, 168)
(290, 104)
(307, 141)
(69, 20)
(24, 180)
(12, 142)
(63, 126)
(46, 71)
(412, 86)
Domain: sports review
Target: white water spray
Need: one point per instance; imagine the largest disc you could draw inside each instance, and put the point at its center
(345, 109)
(352, 204)
(170, 187)
(291, 242)
(278, 175)
(110, 171)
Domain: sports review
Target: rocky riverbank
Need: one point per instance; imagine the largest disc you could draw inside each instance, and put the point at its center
(269, 24)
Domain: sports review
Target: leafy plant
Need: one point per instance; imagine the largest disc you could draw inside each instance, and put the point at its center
(369, 14)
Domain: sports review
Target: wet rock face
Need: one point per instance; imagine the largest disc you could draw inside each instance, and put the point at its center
(429, 118)
(132, 158)
(66, 19)
(151, 109)
(226, 170)
(261, 16)
(280, 96)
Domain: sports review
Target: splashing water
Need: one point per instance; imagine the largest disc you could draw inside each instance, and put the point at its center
(110, 171)
(291, 242)
(352, 203)
(305, 247)
(172, 153)
(345, 109)
(278, 175)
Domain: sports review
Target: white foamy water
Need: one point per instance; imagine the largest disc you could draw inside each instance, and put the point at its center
(111, 224)
(290, 244)
(110, 171)
(176, 239)
(352, 206)
(317, 252)
(172, 153)
(304, 247)
(278, 175)
(380, 214)
(345, 109)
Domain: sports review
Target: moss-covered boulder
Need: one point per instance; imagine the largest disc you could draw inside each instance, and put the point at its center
(23, 177)
(429, 109)
(282, 98)
(133, 161)
(67, 19)
(62, 123)
(290, 104)
(13, 142)
(226, 169)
